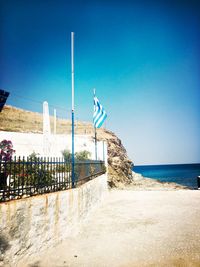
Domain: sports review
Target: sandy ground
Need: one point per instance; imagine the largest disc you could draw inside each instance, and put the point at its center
(134, 228)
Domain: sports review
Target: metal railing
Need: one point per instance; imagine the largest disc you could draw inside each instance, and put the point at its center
(20, 177)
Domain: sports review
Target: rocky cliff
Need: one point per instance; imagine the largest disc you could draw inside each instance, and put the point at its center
(119, 165)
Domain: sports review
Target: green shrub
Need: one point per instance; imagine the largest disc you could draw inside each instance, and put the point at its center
(82, 155)
(67, 155)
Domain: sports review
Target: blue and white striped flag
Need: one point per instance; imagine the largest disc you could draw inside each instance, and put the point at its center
(99, 115)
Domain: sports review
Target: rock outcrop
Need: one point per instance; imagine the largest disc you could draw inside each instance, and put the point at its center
(144, 183)
(119, 164)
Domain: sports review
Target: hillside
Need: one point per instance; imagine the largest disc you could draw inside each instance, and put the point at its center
(119, 165)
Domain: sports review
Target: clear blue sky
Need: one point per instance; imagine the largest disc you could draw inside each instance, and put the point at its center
(143, 58)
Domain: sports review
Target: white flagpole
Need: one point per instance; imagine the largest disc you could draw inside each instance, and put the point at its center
(72, 66)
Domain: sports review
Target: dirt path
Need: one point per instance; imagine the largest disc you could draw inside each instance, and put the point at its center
(135, 228)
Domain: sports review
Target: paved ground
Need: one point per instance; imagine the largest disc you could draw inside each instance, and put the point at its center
(135, 228)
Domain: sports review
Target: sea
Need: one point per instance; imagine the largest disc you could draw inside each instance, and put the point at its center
(184, 174)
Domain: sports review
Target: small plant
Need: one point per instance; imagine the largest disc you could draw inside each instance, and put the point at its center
(33, 156)
(67, 155)
(6, 150)
(83, 155)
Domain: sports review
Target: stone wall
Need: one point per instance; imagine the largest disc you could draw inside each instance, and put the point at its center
(30, 225)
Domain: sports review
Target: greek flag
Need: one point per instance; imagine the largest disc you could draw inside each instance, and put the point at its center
(99, 115)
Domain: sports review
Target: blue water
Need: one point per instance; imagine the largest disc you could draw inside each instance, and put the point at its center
(184, 174)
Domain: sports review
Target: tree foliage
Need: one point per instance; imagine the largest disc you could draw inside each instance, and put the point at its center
(82, 155)
(67, 155)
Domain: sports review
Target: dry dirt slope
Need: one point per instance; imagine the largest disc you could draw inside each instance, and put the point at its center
(120, 166)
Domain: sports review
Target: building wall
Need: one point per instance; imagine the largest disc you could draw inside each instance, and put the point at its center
(27, 143)
(30, 225)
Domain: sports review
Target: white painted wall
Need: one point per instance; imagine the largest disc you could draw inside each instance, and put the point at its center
(26, 143)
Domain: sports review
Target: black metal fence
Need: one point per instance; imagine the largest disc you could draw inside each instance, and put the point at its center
(20, 177)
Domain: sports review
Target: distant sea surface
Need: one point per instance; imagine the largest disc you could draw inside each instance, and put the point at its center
(184, 174)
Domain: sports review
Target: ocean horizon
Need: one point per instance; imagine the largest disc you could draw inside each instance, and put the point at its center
(183, 174)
